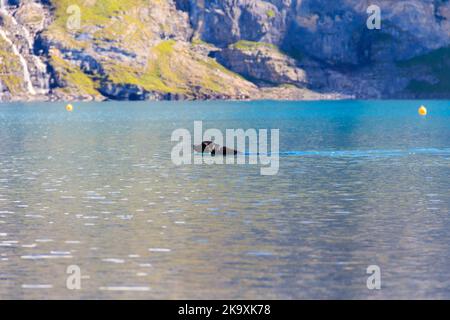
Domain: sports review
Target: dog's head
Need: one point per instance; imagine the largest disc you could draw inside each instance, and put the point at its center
(201, 147)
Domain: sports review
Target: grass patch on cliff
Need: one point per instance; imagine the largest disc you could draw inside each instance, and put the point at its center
(173, 68)
(77, 82)
(199, 42)
(246, 45)
(107, 20)
(438, 61)
(159, 74)
(92, 12)
(270, 13)
(209, 80)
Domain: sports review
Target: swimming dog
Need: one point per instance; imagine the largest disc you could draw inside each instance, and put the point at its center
(214, 149)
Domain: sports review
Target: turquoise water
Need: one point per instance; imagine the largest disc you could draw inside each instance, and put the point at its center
(359, 184)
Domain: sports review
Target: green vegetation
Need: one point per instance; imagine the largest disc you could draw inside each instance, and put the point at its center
(198, 42)
(287, 86)
(270, 13)
(126, 26)
(438, 61)
(73, 77)
(93, 12)
(11, 72)
(172, 69)
(105, 20)
(246, 45)
(158, 76)
(210, 81)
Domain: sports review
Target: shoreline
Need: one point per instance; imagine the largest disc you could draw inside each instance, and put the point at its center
(226, 100)
(264, 94)
(275, 94)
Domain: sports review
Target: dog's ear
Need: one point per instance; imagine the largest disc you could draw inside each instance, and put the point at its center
(206, 143)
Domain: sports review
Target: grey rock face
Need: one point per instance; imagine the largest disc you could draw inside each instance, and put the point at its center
(223, 22)
(263, 64)
(332, 31)
(334, 34)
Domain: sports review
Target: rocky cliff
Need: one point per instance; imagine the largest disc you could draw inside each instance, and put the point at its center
(222, 49)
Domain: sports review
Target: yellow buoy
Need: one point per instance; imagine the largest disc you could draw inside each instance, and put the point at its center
(423, 111)
(69, 108)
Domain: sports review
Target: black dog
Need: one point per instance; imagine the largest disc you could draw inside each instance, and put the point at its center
(213, 149)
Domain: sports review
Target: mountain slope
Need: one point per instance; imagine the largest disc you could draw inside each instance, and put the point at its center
(222, 49)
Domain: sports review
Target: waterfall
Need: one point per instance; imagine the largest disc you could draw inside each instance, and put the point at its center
(23, 62)
(3, 7)
(37, 62)
(40, 66)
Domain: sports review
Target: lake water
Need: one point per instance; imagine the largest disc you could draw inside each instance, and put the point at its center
(359, 184)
